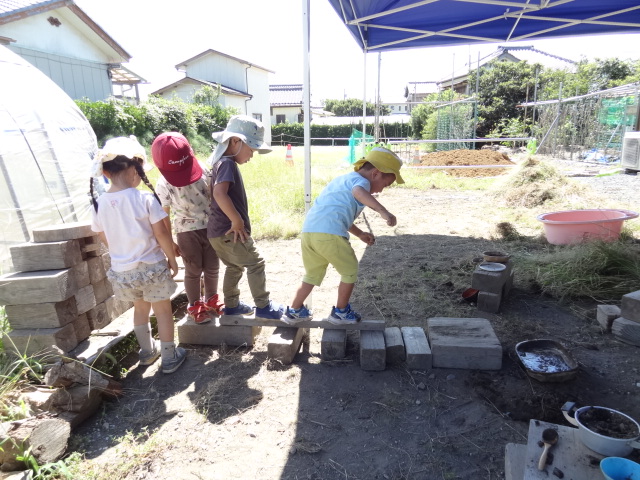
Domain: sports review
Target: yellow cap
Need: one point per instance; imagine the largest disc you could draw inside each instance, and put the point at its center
(384, 160)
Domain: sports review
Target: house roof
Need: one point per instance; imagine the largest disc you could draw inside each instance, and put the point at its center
(123, 76)
(285, 95)
(13, 10)
(183, 65)
(422, 88)
(195, 81)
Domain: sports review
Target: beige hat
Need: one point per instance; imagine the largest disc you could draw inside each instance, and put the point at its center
(126, 146)
(247, 129)
(384, 160)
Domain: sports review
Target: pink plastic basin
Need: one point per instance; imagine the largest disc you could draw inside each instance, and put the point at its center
(577, 226)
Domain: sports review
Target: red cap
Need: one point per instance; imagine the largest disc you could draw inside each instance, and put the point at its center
(175, 159)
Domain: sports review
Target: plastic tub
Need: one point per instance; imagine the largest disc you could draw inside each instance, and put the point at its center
(577, 226)
(617, 468)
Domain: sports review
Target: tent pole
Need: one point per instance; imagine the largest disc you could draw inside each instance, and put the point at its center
(306, 98)
(364, 105)
(14, 199)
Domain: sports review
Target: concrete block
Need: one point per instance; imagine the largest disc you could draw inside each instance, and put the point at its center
(417, 348)
(210, 334)
(37, 287)
(606, 314)
(489, 302)
(333, 345)
(630, 306)
(394, 345)
(42, 315)
(515, 457)
(66, 231)
(373, 354)
(85, 299)
(492, 282)
(284, 343)
(81, 327)
(626, 331)
(32, 341)
(29, 257)
(468, 343)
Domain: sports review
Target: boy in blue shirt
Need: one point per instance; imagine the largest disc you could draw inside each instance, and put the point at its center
(325, 233)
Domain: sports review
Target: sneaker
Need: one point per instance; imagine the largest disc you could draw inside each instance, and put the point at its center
(170, 366)
(273, 311)
(241, 309)
(295, 315)
(343, 316)
(199, 313)
(214, 306)
(149, 358)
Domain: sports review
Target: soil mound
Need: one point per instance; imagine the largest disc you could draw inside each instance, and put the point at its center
(468, 158)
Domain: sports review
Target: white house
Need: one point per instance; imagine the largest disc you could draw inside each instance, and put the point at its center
(243, 85)
(286, 103)
(65, 44)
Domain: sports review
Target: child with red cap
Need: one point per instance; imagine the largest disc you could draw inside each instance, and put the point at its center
(184, 186)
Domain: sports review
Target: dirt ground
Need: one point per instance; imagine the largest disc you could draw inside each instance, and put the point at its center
(233, 413)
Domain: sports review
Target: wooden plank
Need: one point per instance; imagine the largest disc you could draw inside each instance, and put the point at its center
(66, 231)
(284, 343)
(29, 257)
(102, 290)
(417, 348)
(95, 265)
(626, 330)
(81, 327)
(333, 345)
(315, 323)
(98, 317)
(85, 299)
(394, 344)
(32, 341)
(212, 334)
(42, 287)
(81, 272)
(373, 354)
(42, 315)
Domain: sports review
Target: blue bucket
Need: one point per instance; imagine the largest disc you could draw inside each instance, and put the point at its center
(618, 468)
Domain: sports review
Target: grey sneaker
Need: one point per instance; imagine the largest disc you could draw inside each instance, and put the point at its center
(171, 365)
(149, 358)
(294, 315)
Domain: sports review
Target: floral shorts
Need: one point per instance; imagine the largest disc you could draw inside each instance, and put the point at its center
(151, 282)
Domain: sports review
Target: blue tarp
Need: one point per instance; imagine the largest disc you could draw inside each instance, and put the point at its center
(379, 25)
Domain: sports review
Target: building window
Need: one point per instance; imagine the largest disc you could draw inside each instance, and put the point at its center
(301, 118)
(280, 118)
(257, 116)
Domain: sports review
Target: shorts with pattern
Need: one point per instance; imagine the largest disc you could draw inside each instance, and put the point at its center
(319, 250)
(151, 282)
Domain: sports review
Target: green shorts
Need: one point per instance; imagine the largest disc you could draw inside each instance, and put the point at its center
(319, 250)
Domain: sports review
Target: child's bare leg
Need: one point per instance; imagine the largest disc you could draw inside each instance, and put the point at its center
(301, 295)
(164, 315)
(344, 294)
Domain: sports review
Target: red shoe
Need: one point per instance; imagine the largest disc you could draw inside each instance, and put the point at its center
(213, 305)
(199, 312)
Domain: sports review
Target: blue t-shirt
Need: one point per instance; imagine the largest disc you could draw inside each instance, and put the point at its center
(335, 209)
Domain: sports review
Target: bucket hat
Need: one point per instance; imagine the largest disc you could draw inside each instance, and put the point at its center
(247, 129)
(384, 160)
(175, 159)
(119, 146)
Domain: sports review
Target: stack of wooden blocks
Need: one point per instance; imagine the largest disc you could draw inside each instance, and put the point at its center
(59, 291)
(622, 321)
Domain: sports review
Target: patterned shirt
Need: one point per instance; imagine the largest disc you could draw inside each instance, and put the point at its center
(190, 204)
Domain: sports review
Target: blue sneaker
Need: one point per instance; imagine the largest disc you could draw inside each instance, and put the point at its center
(273, 311)
(343, 316)
(295, 315)
(241, 309)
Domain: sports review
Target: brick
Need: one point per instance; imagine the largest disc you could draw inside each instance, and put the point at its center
(373, 354)
(417, 348)
(333, 345)
(210, 334)
(394, 345)
(284, 343)
(489, 302)
(630, 306)
(606, 314)
(468, 343)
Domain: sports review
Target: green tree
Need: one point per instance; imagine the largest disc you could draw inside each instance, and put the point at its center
(352, 107)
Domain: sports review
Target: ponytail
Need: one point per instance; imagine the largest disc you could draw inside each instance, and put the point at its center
(91, 194)
(145, 180)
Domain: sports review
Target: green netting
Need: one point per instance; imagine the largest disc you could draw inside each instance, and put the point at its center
(355, 141)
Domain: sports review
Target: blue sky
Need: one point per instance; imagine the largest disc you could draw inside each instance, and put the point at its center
(160, 34)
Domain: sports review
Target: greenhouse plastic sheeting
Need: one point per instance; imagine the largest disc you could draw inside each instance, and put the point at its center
(46, 148)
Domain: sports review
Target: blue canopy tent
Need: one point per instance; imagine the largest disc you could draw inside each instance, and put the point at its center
(384, 25)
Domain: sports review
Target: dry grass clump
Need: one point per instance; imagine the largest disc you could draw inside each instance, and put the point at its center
(536, 183)
(598, 270)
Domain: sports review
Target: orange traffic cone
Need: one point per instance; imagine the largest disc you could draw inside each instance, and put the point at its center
(289, 158)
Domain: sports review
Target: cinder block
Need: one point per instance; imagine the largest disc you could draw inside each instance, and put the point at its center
(395, 345)
(43, 287)
(42, 315)
(630, 306)
(492, 282)
(29, 257)
(210, 334)
(32, 341)
(333, 345)
(468, 343)
(489, 302)
(626, 330)
(418, 352)
(606, 314)
(373, 354)
(284, 343)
